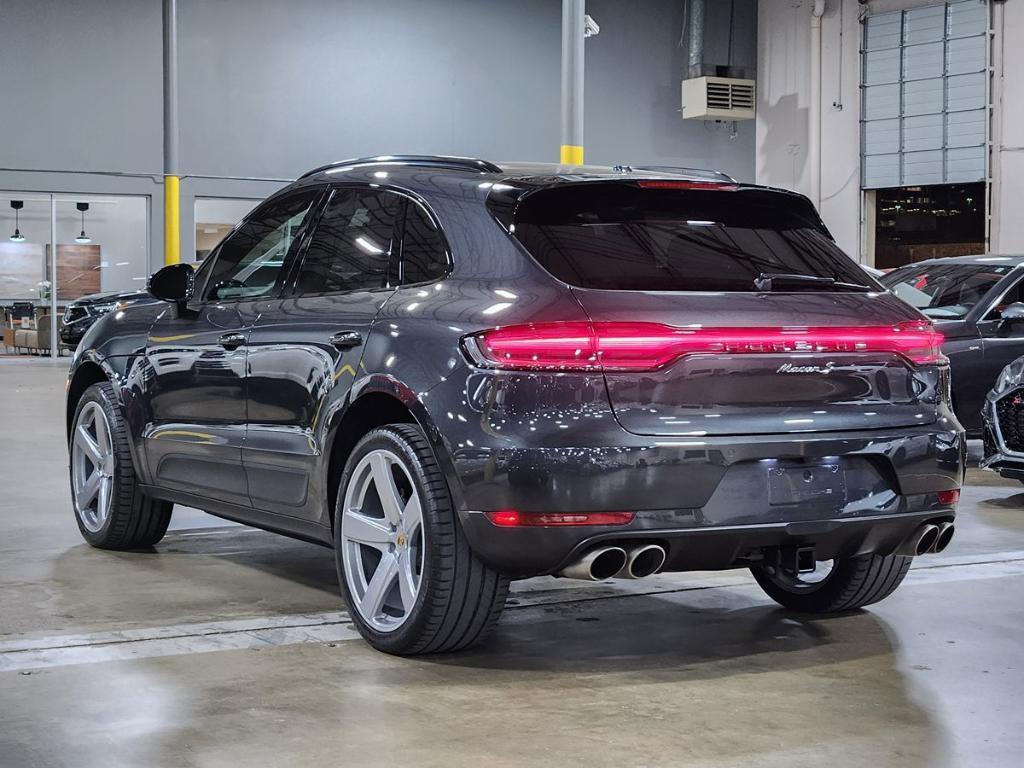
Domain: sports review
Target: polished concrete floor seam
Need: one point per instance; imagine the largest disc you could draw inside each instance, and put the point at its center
(26, 655)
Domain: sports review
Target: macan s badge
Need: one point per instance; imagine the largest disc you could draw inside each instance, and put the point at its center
(790, 368)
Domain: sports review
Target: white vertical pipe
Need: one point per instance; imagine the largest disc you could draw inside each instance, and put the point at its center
(54, 351)
(995, 129)
(814, 134)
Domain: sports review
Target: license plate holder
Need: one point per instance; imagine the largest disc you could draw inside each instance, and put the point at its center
(800, 484)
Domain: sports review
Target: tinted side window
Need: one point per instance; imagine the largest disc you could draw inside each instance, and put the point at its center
(424, 255)
(351, 245)
(1013, 296)
(249, 261)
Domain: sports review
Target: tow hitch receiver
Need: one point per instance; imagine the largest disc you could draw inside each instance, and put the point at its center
(797, 559)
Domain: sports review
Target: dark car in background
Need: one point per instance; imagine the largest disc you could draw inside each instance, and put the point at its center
(1003, 418)
(81, 313)
(976, 304)
(456, 374)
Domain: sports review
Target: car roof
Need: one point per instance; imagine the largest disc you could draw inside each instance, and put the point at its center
(980, 259)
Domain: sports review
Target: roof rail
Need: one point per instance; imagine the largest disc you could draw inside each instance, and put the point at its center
(697, 172)
(426, 161)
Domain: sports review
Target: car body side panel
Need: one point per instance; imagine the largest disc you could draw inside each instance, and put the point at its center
(294, 376)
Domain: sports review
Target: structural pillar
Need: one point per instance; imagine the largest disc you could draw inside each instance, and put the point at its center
(573, 27)
(172, 197)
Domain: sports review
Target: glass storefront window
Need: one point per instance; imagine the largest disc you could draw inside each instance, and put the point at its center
(101, 246)
(215, 218)
(23, 273)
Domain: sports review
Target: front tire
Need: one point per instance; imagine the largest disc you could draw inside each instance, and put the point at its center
(111, 511)
(410, 580)
(852, 583)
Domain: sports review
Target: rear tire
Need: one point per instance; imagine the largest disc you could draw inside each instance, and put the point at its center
(853, 583)
(437, 596)
(111, 511)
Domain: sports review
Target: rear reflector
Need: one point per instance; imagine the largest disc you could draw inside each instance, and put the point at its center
(949, 498)
(709, 186)
(613, 346)
(511, 518)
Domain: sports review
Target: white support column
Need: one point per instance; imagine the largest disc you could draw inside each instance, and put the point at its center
(54, 351)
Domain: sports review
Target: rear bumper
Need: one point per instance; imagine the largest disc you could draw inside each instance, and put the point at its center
(533, 551)
(708, 500)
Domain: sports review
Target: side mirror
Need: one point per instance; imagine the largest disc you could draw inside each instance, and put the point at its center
(175, 283)
(1013, 314)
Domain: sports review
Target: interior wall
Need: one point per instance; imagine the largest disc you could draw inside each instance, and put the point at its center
(784, 109)
(1007, 157)
(81, 85)
(270, 89)
(784, 101)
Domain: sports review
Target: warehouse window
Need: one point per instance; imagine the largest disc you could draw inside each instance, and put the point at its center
(924, 95)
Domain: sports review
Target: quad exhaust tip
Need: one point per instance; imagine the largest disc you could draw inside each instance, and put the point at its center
(928, 539)
(643, 561)
(597, 565)
(607, 562)
(920, 541)
(946, 531)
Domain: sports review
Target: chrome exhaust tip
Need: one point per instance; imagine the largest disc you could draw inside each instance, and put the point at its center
(920, 541)
(597, 565)
(946, 531)
(643, 561)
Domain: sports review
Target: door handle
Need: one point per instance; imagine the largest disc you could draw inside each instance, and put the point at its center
(346, 339)
(231, 340)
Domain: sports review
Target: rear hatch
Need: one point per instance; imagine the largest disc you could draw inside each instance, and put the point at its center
(725, 310)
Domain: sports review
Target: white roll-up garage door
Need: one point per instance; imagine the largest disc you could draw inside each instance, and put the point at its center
(924, 95)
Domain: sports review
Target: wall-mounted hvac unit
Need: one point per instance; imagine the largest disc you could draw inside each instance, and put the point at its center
(718, 98)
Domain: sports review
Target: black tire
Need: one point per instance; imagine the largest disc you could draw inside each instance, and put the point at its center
(853, 583)
(460, 599)
(134, 521)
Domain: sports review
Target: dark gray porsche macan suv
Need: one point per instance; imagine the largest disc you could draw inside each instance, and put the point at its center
(456, 374)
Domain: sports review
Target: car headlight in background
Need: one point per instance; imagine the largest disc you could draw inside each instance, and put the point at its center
(1009, 378)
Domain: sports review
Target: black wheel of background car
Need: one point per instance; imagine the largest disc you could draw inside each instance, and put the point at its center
(848, 584)
(111, 511)
(410, 580)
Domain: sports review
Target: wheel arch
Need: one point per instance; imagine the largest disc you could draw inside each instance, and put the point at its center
(375, 402)
(87, 373)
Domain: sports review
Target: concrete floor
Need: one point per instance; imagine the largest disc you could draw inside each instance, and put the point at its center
(229, 646)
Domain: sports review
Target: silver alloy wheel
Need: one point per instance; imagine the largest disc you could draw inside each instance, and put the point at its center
(92, 467)
(382, 540)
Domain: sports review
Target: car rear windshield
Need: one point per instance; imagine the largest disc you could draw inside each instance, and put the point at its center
(944, 291)
(624, 236)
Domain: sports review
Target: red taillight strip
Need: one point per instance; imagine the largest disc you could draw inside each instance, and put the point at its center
(614, 346)
(511, 518)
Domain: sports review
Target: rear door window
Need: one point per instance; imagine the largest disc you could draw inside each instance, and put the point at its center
(624, 236)
(424, 253)
(351, 246)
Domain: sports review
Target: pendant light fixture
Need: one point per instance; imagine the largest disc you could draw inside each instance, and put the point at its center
(17, 237)
(82, 237)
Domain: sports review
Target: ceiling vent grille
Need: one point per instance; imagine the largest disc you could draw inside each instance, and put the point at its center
(718, 98)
